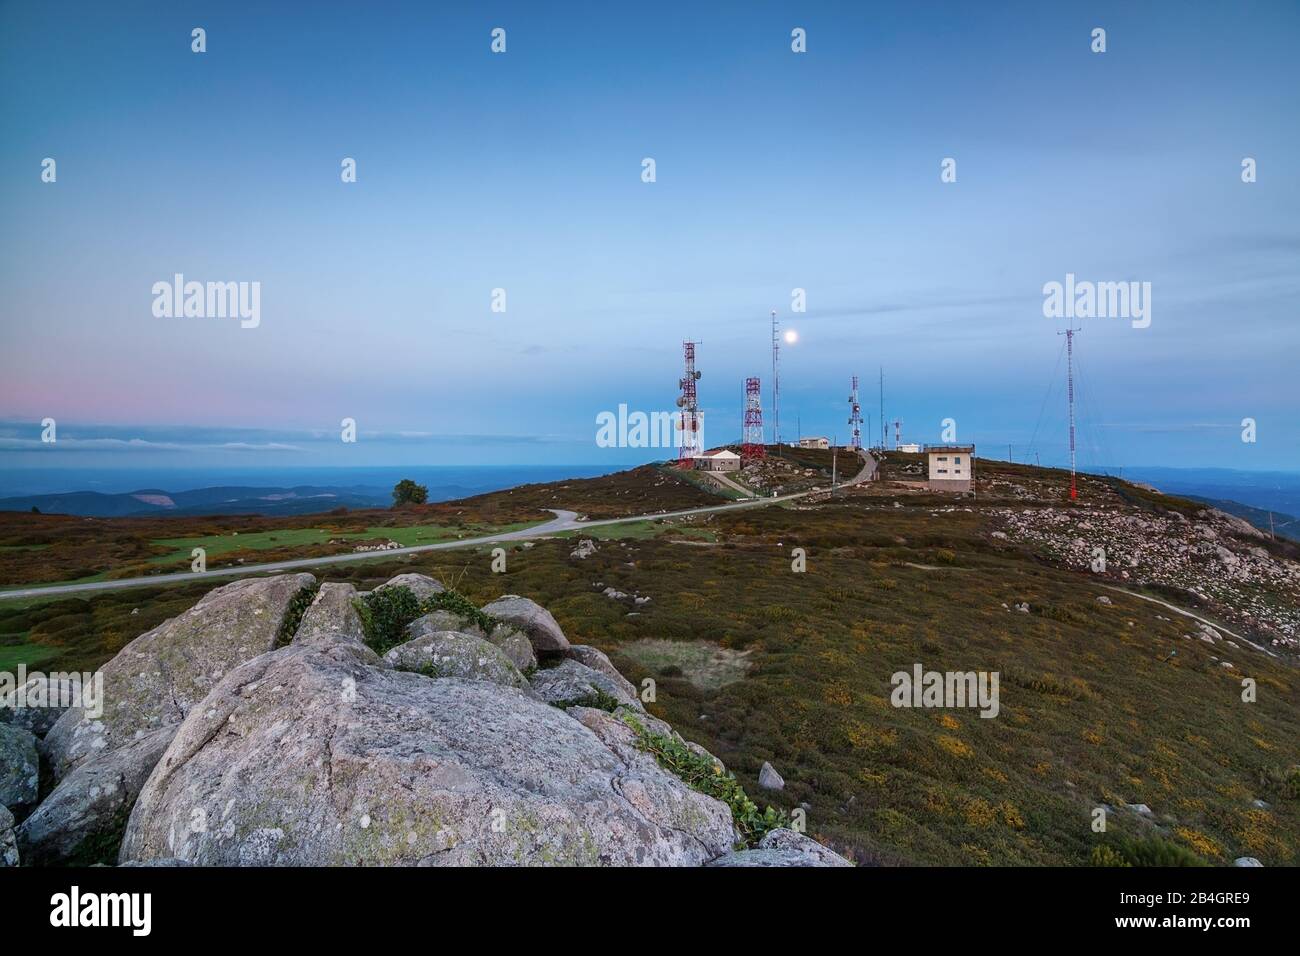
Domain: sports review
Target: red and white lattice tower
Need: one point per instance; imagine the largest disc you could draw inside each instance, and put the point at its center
(855, 416)
(691, 446)
(752, 447)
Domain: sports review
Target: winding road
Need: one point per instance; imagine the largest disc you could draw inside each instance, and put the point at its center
(563, 521)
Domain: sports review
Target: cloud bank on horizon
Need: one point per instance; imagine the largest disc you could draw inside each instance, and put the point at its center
(523, 171)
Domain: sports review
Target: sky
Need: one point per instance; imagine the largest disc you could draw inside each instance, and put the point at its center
(523, 171)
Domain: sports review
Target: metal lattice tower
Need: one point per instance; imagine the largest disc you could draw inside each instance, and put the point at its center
(855, 416)
(690, 447)
(752, 448)
(776, 382)
(898, 432)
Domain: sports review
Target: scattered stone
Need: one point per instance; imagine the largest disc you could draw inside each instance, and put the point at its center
(1102, 599)
(1247, 861)
(585, 549)
(769, 779)
(782, 847)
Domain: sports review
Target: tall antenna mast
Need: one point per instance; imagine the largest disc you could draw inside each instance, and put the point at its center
(884, 425)
(1069, 365)
(776, 383)
(690, 448)
(855, 416)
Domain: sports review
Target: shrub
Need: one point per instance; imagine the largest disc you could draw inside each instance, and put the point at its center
(458, 604)
(385, 614)
(1147, 851)
(702, 774)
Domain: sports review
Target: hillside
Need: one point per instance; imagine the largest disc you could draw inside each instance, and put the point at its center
(1107, 697)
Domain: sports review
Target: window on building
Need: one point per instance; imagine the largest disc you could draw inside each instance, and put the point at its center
(943, 471)
(956, 461)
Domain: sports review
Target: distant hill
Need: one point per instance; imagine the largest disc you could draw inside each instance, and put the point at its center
(302, 499)
(1283, 525)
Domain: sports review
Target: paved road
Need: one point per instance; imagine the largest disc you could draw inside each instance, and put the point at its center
(563, 521)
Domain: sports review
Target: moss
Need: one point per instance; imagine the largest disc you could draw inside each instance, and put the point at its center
(597, 699)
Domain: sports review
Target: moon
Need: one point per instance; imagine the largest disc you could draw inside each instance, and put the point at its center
(791, 336)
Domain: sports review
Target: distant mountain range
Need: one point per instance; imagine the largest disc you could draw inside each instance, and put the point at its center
(301, 499)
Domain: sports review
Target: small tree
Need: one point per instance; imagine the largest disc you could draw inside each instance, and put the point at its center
(407, 492)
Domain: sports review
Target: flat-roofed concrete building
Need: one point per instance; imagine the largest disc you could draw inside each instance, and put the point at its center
(723, 460)
(817, 441)
(952, 467)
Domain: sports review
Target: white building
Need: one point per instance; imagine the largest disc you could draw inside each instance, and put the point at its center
(909, 447)
(723, 460)
(817, 441)
(952, 467)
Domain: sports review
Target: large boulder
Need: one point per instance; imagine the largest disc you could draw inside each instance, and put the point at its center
(8, 842)
(421, 585)
(782, 847)
(160, 676)
(42, 708)
(20, 767)
(510, 639)
(309, 756)
(332, 617)
(597, 660)
(576, 685)
(81, 822)
(452, 654)
(534, 620)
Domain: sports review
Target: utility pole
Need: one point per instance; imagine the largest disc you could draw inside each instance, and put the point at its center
(1069, 365)
(884, 425)
(776, 384)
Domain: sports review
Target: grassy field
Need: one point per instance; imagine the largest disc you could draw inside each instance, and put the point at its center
(758, 662)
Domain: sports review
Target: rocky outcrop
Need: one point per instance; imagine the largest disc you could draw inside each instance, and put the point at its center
(160, 676)
(239, 743)
(533, 620)
(404, 769)
(81, 821)
(19, 767)
(511, 640)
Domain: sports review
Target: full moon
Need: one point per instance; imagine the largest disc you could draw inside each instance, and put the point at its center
(791, 336)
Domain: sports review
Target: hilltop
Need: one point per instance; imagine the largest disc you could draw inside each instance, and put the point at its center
(1109, 698)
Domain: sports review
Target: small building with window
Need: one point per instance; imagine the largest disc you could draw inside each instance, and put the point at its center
(952, 467)
(817, 441)
(723, 460)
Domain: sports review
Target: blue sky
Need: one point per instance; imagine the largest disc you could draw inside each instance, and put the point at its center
(522, 171)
